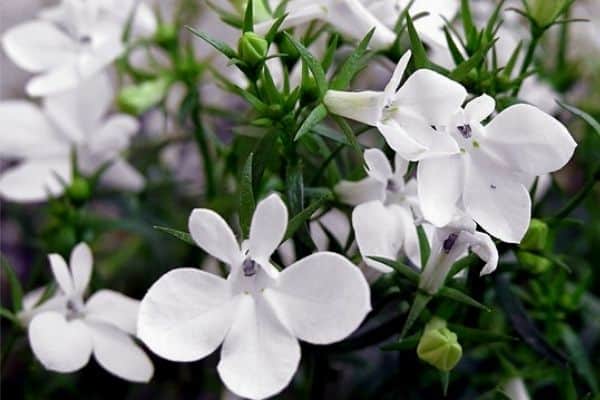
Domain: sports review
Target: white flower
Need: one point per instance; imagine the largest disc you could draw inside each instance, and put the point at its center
(486, 178)
(66, 53)
(449, 244)
(383, 219)
(64, 335)
(405, 116)
(42, 138)
(349, 17)
(515, 389)
(257, 313)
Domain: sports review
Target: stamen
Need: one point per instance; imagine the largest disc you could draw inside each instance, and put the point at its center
(249, 267)
(85, 39)
(493, 186)
(449, 242)
(391, 186)
(465, 130)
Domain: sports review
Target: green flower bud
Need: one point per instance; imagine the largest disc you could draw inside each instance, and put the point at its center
(166, 35)
(536, 236)
(439, 346)
(287, 47)
(544, 12)
(79, 190)
(259, 10)
(534, 263)
(137, 99)
(252, 48)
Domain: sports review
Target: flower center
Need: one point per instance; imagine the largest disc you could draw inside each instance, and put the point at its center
(465, 130)
(75, 309)
(249, 267)
(392, 186)
(449, 242)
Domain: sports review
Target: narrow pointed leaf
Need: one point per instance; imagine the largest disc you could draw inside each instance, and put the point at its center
(311, 62)
(247, 203)
(249, 17)
(579, 356)
(353, 64)
(217, 44)
(583, 115)
(302, 217)
(457, 295)
(16, 290)
(399, 267)
(183, 236)
(419, 54)
(315, 116)
(420, 302)
(423, 245)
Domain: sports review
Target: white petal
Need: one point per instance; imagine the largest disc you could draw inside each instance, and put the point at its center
(296, 16)
(392, 85)
(186, 314)
(365, 107)
(31, 308)
(113, 136)
(28, 132)
(210, 231)
(480, 108)
(355, 193)
(496, 199)
(378, 166)
(400, 166)
(61, 273)
(59, 79)
(35, 180)
(81, 267)
(526, 138)
(121, 175)
(400, 140)
(410, 245)
(484, 247)
(37, 46)
(267, 227)
(113, 308)
(60, 345)
(440, 185)
(322, 298)
(377, 232)
(119, 354)
(431, 95)
(259, 356)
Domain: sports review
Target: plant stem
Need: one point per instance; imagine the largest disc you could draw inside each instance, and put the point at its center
(578, 198)
(200, 137)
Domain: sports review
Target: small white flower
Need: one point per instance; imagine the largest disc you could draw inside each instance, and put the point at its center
(42, 138)
(515, 389)
(64, 53)
(383, 219)
(449, 244)
(65, 331)
(257, 313)
(405, 116)
(487, 177)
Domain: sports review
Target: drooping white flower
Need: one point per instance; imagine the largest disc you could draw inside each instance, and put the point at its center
(64, 53)
(349, 17)
(515, 389)
(449, 244)
(257, 313)
(383, 219)
(486, 177)
(42, 138)
(405, 116)
(66, 330)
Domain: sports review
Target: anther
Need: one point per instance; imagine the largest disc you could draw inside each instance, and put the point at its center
(449, 242)
(465, 130)
(249, 267)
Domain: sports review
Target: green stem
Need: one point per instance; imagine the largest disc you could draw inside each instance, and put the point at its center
(203, 146)
(578, 198)
(528, 59)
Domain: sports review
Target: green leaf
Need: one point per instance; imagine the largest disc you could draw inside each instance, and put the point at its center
(512, 61)
(462, 70)
(330, 52)
(16, 290)
(457, 295)
(249, 17)
(423, 245)
(316, 115)
(420, 302)
(399, 267)
(183, 236)
(349, 134)
(579, 356)
(419, 54)
(353, 64)
(247, 203)
(479, 335)
(464, 263)
(468, 24)
(302, 217)
(311, 62)
(217, 44)
(274, 29)
(583, 115)
(5, 313)
(263, 152)
(454, 51)
(408, 343)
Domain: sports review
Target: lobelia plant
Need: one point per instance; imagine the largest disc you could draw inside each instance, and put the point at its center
(360, 175)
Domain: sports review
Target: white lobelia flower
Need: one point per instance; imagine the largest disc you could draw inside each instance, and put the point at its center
(449, 244)
(515, 389)
(64, 334)
(64, 54)
(257, 313)
(43, 138)
(486, 178)
(349, 17)
(405, 116)
(383, 218)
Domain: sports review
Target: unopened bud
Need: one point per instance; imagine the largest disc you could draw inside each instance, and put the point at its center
(252, 48)
(439, 346)
(79, 190)
(533, 262)
(544, 12)
(137, 99)
(536, 236)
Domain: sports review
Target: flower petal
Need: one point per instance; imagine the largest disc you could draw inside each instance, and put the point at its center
(61, 273)
(37, 46)
(365, 106)
(81, 267)
(259, 356)
(62, 78)
(121, 175)
(377, 233)
(400, 140)
(495, 198)
(35, 180)
(119, 354)
(400, 166)
(431, 96)
(322, 298)
(186, 314)
(60, 345)
(528, 139)
(392, 85)
(362, 191)
(210, 231)
(480, 108)
(267, 227)
(378, 166)
(440, 183)
(484, 247)
(113, 308)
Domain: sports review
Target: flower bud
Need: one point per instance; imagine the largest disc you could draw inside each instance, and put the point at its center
(252, 48)
(544, 12)
(534, 263)
(79, 190)
(536, 236)
(166, 35)
(137, 99)
(439, 346)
